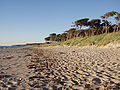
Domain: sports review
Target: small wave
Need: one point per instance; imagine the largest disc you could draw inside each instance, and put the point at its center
(10, 46)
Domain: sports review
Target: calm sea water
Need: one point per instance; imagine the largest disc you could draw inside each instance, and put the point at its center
(10, 46)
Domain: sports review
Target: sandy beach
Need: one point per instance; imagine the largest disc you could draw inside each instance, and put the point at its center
(60, 68)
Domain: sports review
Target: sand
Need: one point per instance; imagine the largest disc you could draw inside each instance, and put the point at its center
(60, 68)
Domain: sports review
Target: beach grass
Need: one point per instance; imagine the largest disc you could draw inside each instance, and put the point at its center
(97, 40)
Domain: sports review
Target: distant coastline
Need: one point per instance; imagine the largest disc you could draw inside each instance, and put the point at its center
(23, 45)
(32, 44)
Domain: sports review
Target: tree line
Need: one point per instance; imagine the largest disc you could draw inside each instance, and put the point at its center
(94, 27)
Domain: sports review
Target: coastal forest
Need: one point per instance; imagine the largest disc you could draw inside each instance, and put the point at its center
(86, 28)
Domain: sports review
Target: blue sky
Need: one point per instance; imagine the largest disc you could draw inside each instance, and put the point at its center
(28, 21)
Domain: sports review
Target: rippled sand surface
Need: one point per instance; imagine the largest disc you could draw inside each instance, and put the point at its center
(60, 68)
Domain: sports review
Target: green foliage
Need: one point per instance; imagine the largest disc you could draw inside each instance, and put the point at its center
(94, 27)
(96, 40)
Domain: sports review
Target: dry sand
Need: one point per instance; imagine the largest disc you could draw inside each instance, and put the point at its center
(60, 68)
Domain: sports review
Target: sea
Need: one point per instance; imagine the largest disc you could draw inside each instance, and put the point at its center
(10, 46)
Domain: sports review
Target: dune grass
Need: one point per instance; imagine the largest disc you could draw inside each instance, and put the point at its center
(97, 40)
